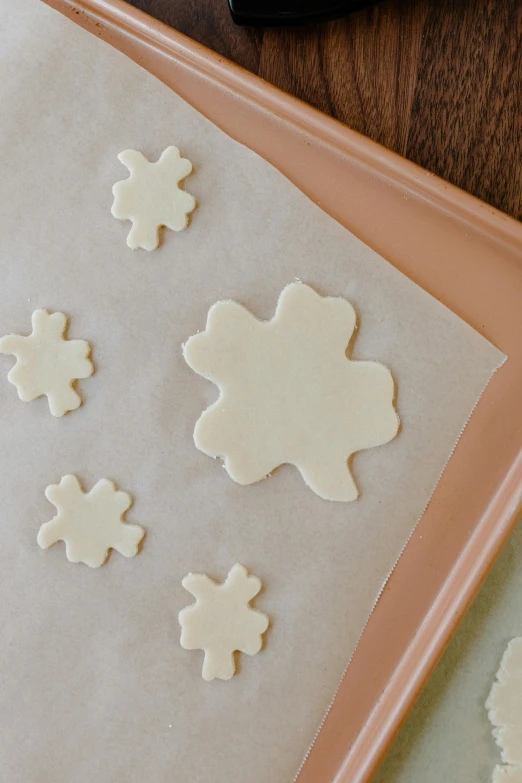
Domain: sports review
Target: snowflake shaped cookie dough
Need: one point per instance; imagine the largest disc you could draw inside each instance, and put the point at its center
(221, 621)
(289, 394)
(151, 196)
(90, 523)
(504, 705)
(48, 363)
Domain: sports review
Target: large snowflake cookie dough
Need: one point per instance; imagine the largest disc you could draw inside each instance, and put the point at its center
(222, 622)
(151, 196)
(504, 705)
(90, 523)
(289, 394)
(47, 363)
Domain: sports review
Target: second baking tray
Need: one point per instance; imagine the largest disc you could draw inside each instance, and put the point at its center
(474, 266)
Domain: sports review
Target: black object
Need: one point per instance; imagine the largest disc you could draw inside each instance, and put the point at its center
(268, 13)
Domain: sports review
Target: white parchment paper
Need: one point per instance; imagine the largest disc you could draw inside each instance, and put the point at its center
(93, 682)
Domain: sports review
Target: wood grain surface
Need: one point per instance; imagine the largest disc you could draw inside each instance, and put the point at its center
(439, 81)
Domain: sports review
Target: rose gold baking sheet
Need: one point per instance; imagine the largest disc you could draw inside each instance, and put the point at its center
(464, 253)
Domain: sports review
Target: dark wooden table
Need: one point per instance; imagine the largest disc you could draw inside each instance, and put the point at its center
(439, 81)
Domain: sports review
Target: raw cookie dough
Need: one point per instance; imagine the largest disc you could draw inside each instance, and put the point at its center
(47, 363)
(289, 394)
(221, 621)
(89, 523)
(151, 196)
(504, 705)
(507, 774)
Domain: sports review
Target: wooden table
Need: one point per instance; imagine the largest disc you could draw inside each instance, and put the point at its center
(439, 81)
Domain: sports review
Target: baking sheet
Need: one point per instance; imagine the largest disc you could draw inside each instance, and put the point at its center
(92, 659)
(447, 735)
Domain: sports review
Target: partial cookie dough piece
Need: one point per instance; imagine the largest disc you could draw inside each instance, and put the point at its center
(90, 523)
(221, 621)
(151, 196)
(289, 394)
(504, 705)
(47, 363)
(506, 774)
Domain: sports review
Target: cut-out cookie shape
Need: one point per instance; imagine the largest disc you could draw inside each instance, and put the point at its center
(221, 621)
(151, 196)
(504, 705)
(47, 363)
(90, 523)
(289, 394)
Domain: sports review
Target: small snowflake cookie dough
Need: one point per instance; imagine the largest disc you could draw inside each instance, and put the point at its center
(289, 394)
(504, 705)
(222, 622)
(47, 363)
(90, 523)
(151, 196)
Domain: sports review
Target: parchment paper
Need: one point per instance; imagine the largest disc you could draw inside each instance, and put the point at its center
(93, 682)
